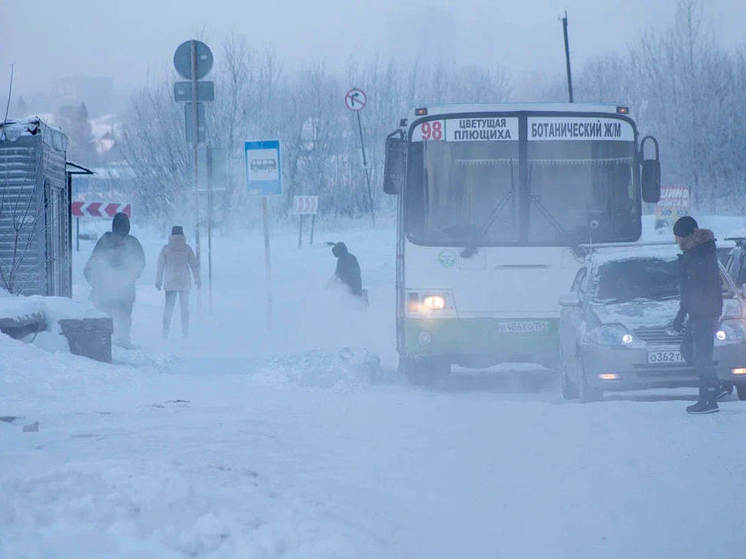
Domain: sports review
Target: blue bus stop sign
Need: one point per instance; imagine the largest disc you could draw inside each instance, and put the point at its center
(263, 171)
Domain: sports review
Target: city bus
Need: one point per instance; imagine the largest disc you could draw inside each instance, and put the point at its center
(494, 202)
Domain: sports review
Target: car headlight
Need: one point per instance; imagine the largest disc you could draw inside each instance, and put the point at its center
(731, 331)
(612, 335)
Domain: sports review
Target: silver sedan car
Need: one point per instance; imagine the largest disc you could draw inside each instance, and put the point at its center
(616, 326)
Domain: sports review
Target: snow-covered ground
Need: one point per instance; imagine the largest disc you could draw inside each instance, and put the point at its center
(304, 442)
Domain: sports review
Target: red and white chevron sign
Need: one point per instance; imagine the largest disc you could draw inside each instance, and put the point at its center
(100, 209)
(305, 205)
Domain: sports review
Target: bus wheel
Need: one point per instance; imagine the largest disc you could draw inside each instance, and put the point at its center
(587, 392)
(423, 371)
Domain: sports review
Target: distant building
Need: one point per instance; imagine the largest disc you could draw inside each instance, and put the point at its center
(96, 92)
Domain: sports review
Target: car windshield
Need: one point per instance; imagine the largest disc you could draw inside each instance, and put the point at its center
(637, 278)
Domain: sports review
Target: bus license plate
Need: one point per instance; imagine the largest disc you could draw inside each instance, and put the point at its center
(523, 326)
(658, 357)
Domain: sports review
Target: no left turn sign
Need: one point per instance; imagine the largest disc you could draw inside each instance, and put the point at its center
(355, 99)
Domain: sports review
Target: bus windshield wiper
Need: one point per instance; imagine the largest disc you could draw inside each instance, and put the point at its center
(471, 248)
(554, 222)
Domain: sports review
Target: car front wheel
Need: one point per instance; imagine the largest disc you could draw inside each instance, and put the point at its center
(568, 387)
(587, 392)
(741, 391)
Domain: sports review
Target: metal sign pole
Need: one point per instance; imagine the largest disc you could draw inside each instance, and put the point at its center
(367, 173)
(209, 224)
(267, 262)
(300, 231)
(77, 234)
(313, 225)
(567, 58)
(195, 143)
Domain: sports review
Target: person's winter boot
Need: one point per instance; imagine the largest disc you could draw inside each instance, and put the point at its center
(703, 407)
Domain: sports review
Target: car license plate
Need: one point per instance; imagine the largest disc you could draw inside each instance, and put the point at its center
(658, 357)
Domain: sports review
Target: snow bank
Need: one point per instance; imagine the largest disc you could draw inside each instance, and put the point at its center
(33, 380)
(52, 309)
(157, 511)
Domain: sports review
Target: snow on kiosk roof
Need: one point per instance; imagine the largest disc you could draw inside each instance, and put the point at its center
(12, 130)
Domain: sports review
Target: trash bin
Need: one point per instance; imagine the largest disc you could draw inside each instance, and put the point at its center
(89, 337)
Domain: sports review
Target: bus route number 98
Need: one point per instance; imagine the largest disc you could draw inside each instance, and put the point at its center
(432, 130)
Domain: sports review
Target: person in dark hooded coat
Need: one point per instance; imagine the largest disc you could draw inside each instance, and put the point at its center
(348, 269)
(112, 270)
(701, 300)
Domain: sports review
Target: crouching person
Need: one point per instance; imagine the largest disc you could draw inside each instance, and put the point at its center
(175, 262)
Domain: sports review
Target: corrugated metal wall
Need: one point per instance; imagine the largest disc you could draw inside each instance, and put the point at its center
(56, 223)
(34, 250)
(21, 252)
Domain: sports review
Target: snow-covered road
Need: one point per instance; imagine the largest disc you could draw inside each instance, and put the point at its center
(242, 443)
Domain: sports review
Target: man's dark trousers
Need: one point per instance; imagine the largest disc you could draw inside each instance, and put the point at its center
(702, 331)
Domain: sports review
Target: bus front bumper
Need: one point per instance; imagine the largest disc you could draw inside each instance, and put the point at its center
(482, 342)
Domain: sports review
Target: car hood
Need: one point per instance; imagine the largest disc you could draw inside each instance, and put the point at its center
(637, 314)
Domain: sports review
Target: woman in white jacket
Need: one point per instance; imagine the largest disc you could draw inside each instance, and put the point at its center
(174, 263)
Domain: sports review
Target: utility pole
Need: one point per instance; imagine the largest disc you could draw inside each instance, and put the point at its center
(195, 145)
(567, 58)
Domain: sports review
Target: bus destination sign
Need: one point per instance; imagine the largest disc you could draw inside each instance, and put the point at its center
(483, 129)
(549, 128)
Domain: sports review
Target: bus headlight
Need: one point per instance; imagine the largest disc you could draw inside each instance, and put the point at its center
(434, 302)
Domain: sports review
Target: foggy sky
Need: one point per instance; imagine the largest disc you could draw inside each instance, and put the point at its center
(131, 39)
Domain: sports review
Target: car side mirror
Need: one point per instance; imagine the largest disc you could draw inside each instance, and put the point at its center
(569, 300)
(395, 163)
(651, 173)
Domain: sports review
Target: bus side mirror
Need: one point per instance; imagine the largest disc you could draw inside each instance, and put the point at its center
(395, 163)
(651, 181)
(651, 173)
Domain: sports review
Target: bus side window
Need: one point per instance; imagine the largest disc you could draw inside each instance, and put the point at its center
(578, 281)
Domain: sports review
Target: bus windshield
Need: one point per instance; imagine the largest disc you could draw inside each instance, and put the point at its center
(581, 192)
(466, 190)
(479, 192)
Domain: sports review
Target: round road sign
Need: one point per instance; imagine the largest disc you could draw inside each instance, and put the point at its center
(355, 99)
(183, 60)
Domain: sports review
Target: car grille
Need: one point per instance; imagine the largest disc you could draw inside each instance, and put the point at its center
(658, 336)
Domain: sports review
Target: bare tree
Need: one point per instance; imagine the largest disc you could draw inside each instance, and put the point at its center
(21, 223)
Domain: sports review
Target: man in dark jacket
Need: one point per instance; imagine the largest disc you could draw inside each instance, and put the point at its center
(114, 266)
(702, 301)
(348, 269)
